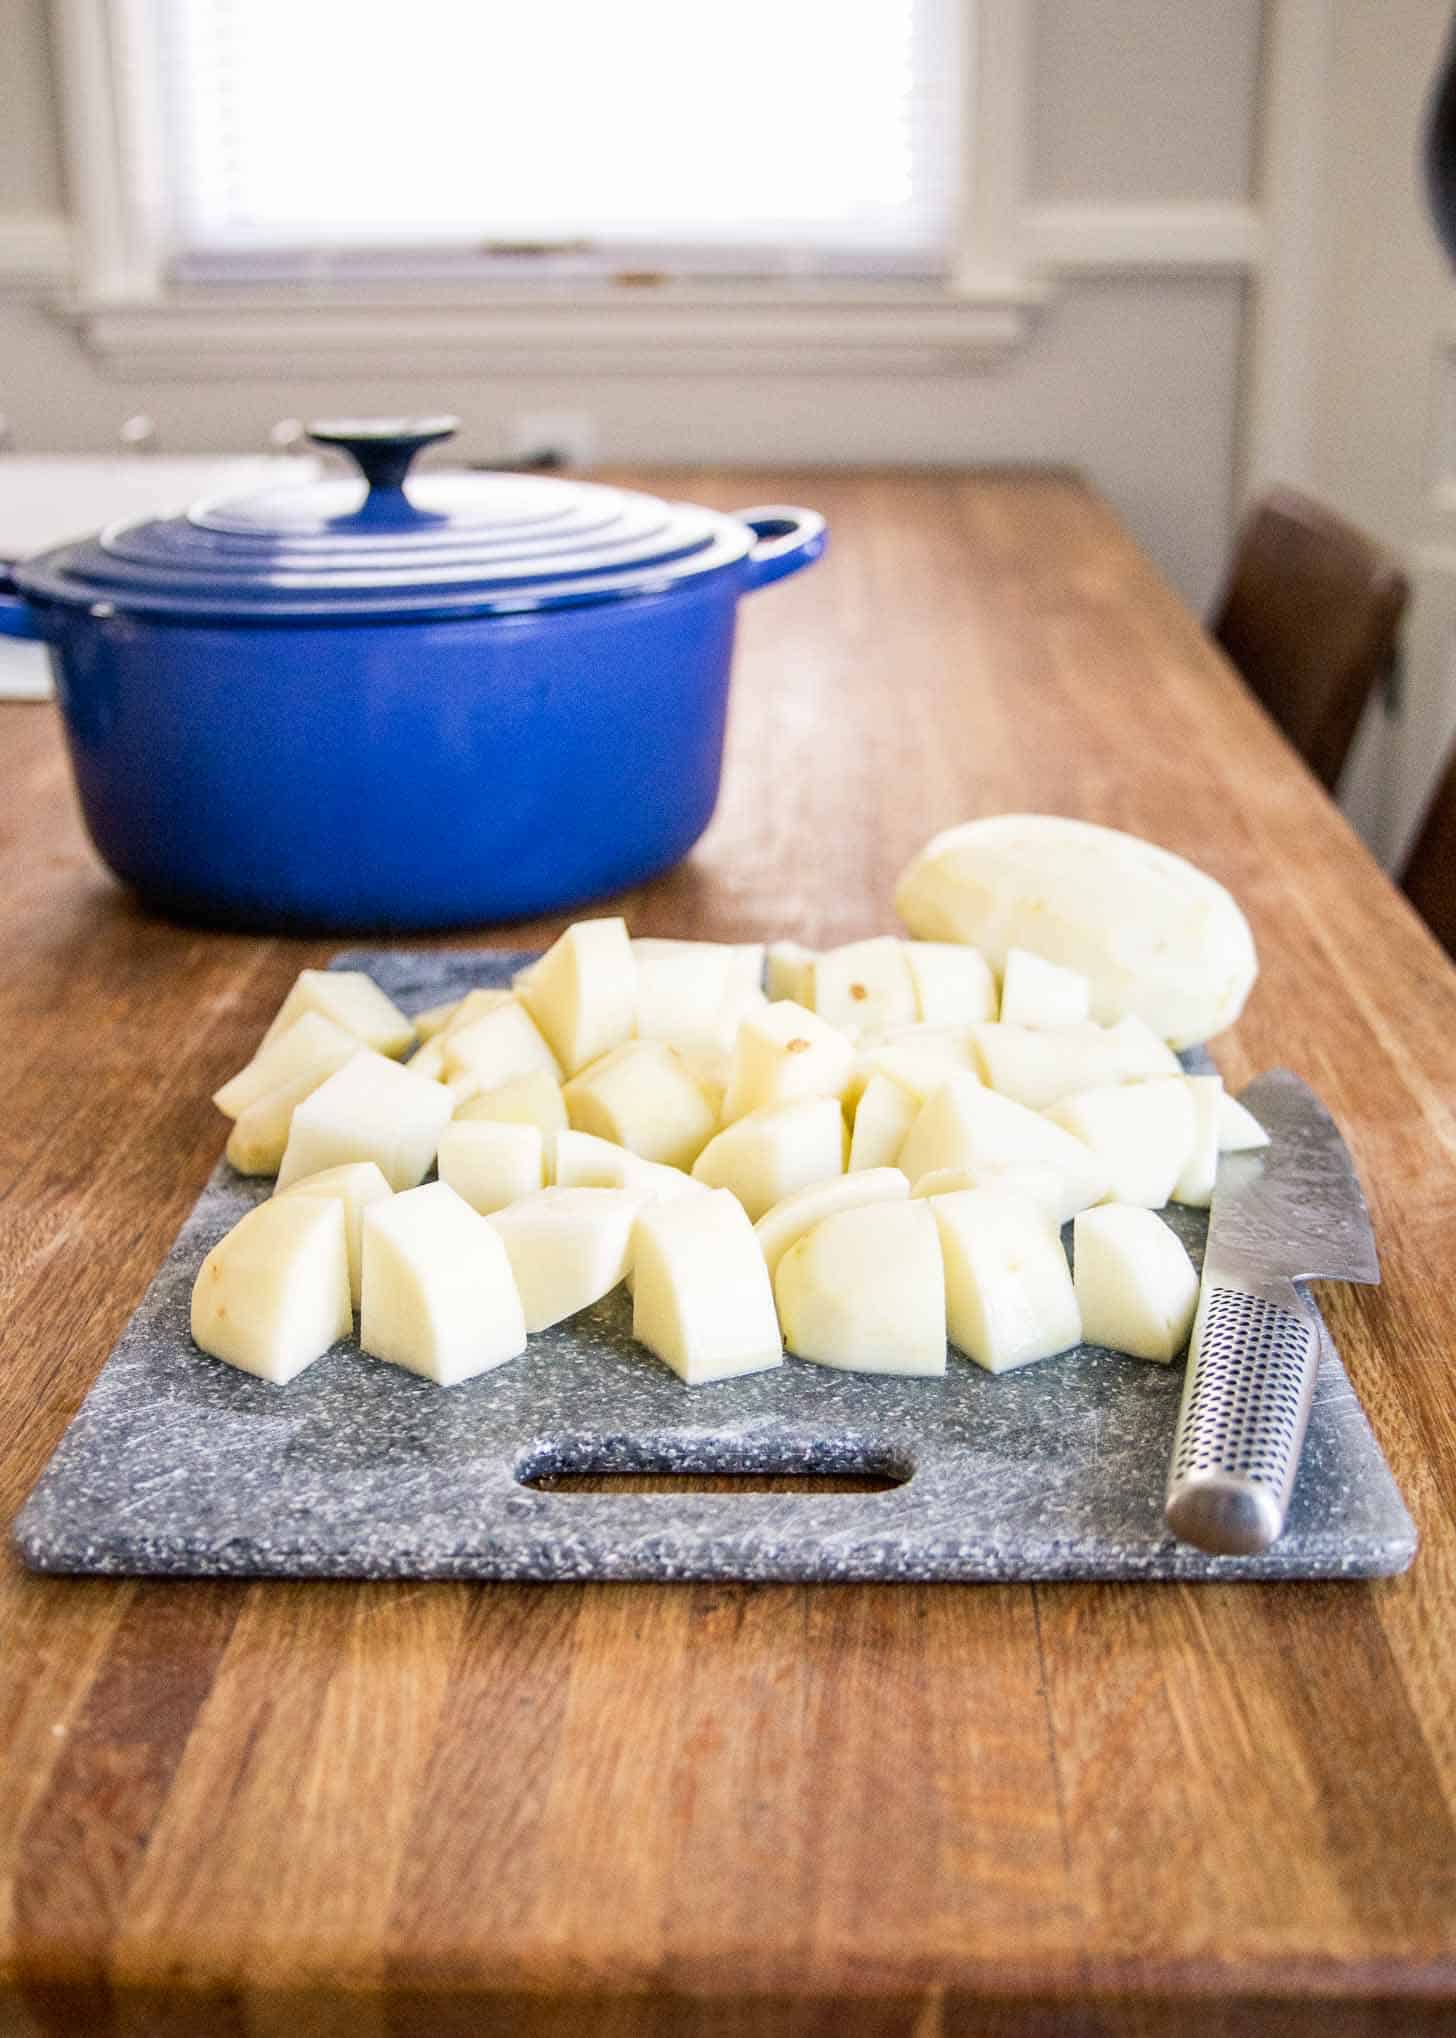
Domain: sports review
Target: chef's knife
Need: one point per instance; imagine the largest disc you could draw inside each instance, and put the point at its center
(1286, 1213)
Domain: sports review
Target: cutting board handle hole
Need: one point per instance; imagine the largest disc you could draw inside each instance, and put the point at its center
(709, 1482)
(571, 1465)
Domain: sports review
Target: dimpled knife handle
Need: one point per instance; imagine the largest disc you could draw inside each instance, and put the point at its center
(1252, 1364)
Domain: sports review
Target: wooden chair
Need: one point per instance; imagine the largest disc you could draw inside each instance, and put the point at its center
(1429, 879)
(1310, 617)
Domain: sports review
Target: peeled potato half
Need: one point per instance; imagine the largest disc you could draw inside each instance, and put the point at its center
(1153, 935)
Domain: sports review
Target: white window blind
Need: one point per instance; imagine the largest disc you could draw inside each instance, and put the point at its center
(307, 137)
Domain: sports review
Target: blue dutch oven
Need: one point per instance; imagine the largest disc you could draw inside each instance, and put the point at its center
(346, 707)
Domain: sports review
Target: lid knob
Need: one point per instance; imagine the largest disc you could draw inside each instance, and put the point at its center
(383, 449)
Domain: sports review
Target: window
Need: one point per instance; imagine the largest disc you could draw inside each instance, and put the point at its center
(342, 138)
(266, 187)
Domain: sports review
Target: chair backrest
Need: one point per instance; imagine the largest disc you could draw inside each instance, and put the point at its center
(1311, 617)
(1429, 879)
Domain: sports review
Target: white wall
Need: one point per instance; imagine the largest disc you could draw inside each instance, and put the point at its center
(1145, 99)
(1382, 368)
(1131, 373)
(30, 155)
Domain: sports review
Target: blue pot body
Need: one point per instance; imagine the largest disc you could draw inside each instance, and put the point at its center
(405, 774)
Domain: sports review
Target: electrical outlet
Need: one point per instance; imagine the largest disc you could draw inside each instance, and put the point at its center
(570, 433)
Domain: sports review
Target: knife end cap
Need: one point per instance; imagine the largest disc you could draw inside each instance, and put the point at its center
(1227, 1517)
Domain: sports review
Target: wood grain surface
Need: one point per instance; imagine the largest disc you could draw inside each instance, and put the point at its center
(912, 1812)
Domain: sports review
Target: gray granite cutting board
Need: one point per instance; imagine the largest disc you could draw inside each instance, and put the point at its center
(178, 1464)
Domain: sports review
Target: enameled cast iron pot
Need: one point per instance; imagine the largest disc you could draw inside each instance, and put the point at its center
(332, 707)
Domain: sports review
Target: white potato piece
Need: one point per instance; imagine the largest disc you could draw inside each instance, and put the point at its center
(1048, 1189)
(1153, 935)
(744, 958)
(644, 1096)
(496, 1047)
(352, 1000)
(583, 992)
(1136, 1286)
(273, 1295)
(1138, 1052)
(954, 985)
(741, 1002)
(703, 1301)
(490, 1162)
(429, 1061)
(966, 1126)
(478, 1004)
(434, 1060)
(694, 993)
(1194, 1185)
(789, 972)
(945, 1181)
(259, 1138)
(439, 1295)
(582, 1161)
(311, 1042)
(1035, 992)
(1239, 1131)
(579, 1160)
(435, 1018)
(865, 986)
(882, 1119)
(353, 1187)
(772, 1153)
(1038, 1065)
(746, 973)
(864, 1291)
(921, 1058)
(710, 1068)
(531, 1099)
(1141, 1132)
(783, 1052)
(1009, 1295)
(369, 1110)
(681, 993)
(568, 1248)
(790, 1220)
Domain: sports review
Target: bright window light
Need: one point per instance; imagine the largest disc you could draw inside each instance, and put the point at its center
(772, 135)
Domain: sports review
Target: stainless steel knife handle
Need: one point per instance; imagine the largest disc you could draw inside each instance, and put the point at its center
(1252, 1363)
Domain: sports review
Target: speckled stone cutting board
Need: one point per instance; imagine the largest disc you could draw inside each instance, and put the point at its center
(177, 1464)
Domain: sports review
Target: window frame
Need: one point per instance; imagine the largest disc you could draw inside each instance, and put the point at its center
(131, 313)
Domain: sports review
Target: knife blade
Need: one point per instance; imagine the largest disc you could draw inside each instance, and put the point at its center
(1285, 1214)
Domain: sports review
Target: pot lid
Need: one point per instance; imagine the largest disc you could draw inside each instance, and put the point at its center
(346, 547)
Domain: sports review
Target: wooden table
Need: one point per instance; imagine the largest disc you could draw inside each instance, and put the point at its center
(919, 1811)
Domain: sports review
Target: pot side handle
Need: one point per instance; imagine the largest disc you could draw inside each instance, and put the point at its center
(786, 539)
(17, 617)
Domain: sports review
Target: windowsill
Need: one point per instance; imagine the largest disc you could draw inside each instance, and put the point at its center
(686, 326)
(683, 327)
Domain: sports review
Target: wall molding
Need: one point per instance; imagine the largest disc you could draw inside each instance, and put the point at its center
(675, 330)
(1169, 237)
(827, 325)
(995, 94)
(36, 255)
(1441, 447)
(1276, 422)
(210, 332)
